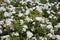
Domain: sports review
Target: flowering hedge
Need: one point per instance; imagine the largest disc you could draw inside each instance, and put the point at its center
(30, 20)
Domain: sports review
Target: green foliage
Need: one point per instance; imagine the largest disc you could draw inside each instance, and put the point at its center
(34, 14)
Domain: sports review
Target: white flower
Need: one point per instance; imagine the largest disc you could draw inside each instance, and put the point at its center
(58, 12)
(37, 1)
(49, 23)
(49, 26)
(52, 31)
(27, 12)
(1, 22)
(41, 38)
(6, 37)
(21, 22)
(13, 12)
(29, 0)
(22, 2)
(58, 37)
(8, 1)
(42, 25)
(25, 26)
(45, 6)
(34, 38)
(47, 0)
(57, 6)
(12, 9)
(32, 29)
(57, 26)
(15, 33)
(2, 8)
(55, 2)
(52, 11)
(54, 36)
(0, 27)
(38, 18)
(6, 14)
(52, 4)
(28, 19)
(55, 17)
(12, 17)
(8, 22)
(20, 14)
(23, 9)
(50, 35)
(0, 31)
(48, 4)
(50, 16)
(29, 34)
(45, 38)
(33, 23)
(39, 8)
(33, 8)
(48, 12)
(24, 29)
(10, 5)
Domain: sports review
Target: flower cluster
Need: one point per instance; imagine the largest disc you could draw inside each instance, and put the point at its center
(30, 20)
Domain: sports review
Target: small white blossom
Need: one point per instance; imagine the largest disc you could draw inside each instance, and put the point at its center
(57, 26)
(24, 29)
(31, 9)
(50, 35)
(1, 22)
(9, 21)
(6, 14)
(58, 37)
(25, 26)
(50, 16)
(39, 8)
(0, 27)
(55, 17)
(58, 12)
(12, 9)
(34, 38)
(29, 34)
(48, 12)
(48, 4)
(33, 23)
(2, 8)
(29, 0)
(27, 12)
(20, 14)
(15, 33)
(52, 31)
(13, 12)
(38, 18)
(0, 31)
(28, 19)
(41, 38)
(45, 6)
(42, 25)
(52, 4)
(6, 37)
(8, 1)
(21, 22)
(49, 26)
